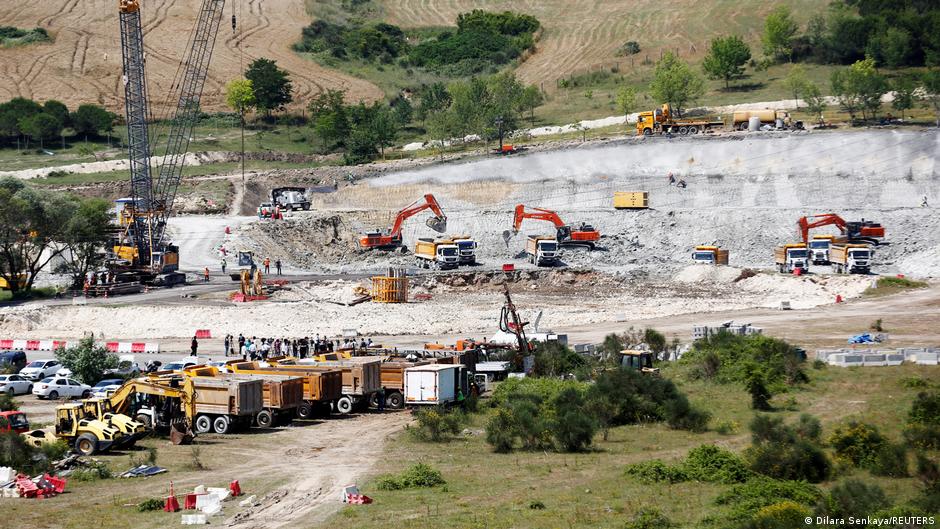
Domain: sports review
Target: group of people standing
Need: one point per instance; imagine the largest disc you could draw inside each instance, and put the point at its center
(255, 348)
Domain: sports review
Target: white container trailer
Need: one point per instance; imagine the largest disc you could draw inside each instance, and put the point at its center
(432, 383)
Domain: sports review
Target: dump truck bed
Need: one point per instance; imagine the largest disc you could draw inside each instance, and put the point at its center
(319, 385)
(361, 376)
(224, 396)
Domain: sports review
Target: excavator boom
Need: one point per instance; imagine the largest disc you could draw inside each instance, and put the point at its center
(858, 231)
(392, 238)
(584, 235)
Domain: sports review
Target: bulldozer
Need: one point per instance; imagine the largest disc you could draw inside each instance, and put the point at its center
(131, 430)
(85, 436)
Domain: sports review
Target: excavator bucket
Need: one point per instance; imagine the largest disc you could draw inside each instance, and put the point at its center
(180, 434)
(438, 224)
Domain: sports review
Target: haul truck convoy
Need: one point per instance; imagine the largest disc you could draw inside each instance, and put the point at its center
(440, 254)
(321, 388)
(850, 258)
(542, 250)
(361, 377)
(790, 257)
(710, 255)
(280, 397)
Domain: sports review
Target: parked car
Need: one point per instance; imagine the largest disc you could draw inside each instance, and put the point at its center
(40, 369)
(265, 210)
(55, 388)
(13, 421)
(63, 373)
(15, 385)
(14, 359)
(218, 364)
(106, 387)
(126, 368)
(178, 366)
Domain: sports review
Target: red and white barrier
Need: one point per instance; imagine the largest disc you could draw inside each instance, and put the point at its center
(52, 345)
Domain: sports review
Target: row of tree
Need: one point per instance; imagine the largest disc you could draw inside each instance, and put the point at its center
(22, 118)
(39, 228)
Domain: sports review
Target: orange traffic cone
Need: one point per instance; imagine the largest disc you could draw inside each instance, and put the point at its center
(235, 488)
(172, 504)
(838, 298)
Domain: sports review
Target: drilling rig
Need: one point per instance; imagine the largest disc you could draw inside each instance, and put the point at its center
(141, 251)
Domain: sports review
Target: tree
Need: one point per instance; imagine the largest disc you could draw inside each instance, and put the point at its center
(58, 110)
(84, 236)
(779, 30)
(383, 127)
(931, 97)
(904, 87)
(796, 82)
(859, 88)
(726, 58)
(891, 48)
(432, 98)
(529, 100)
(675, 83)
(13, 112)
(271, 85)
(92, 119)
(40, 127)
(240, 96)
(573, 428)
(32, 225)
(757, 387)
(626, 100)
(815, 102)
(87, 360)
(329, 116)
(441, 126)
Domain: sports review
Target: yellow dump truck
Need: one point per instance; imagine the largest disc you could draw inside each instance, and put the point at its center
(280, 396)
(790, 257)
(710, 255)
(321, 388)
(442, 254)
(362, 376)
(631, 199)
(850, 258)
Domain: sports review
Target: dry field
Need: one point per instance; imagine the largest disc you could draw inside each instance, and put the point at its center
(584, 33)
(83, 64)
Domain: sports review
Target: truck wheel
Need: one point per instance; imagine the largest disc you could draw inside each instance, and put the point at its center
(374, 400)
(395, 401)
(693, 130)
(683, 130)
(86, 444)
(221, 424)
(344, 405)
(144, 419)
(305, 411)
(265, 419)
(203, 424)
(647, 132)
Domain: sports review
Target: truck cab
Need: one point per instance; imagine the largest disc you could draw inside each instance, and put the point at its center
(466, 249)
(542, 251)
(790, 257)
(711, 255)
(851, 258)
(439, 254)
(819, 249)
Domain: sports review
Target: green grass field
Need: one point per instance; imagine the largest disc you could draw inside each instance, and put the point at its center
(590, 490)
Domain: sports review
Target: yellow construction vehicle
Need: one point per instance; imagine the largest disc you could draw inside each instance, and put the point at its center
(86, 436)
(710, 255)
(641, 361)
(19, 279)
(661, 120)
(100, 409)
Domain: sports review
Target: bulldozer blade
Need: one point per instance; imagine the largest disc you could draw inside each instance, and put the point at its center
(437, 224)
(180, 435)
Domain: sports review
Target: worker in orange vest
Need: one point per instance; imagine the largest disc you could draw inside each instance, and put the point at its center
(206, 274)
(267, 265)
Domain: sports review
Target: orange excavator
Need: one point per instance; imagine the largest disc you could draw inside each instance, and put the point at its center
(857, 231)
(583, 235)
(392, 238)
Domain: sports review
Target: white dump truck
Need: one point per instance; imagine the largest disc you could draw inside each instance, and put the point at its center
(542, 250)
(466, 249)
(850, 258)
(440, 254)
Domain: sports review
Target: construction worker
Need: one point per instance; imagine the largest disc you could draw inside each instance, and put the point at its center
(194, 347)
(923, 203)
(223, 263)
(277, 266)
(672, 178)
(267, 265)
(205, 274)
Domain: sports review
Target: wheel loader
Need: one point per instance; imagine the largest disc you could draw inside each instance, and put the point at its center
(131, 430)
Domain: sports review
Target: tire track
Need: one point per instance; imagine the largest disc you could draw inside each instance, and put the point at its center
(67, 8)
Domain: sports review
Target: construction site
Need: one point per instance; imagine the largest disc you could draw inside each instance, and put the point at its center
(690, 322)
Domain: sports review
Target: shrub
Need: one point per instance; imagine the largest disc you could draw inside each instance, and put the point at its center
(573, 427)
(726, 427)
(655, 471)
(536, 505)
(681, 415)
(634, 397)
(438, 424)
(783, 515)
(500, 431)
(746, 499)
(152, 504)
(553, 359)
(195, 459)
(92, 472)
(8, 403)
(649, 518)
(754, 382)
(890, 461)
(713, 464)
(923, 420)
(727, 358)
(629, 48)
(857, 442)
(852, 498)
(416, 476)
(785, 452)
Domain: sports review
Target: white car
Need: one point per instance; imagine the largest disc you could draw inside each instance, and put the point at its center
(15, 385)
(55, 388)
(106, 387)
(178, 366)
(40, 369)
(63, 373)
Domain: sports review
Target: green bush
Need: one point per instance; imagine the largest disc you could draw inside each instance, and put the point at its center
(783, 515)
(852, 498)
(746, 499)
(544, 389)
(655, 471)
(899, 282)
(890, 461)
(152, 504)
(8, 403)
(553, 359)
(857, 442)
(92, 472)
(500, 431)
(923, 421)
(649, 518)
(438, 424)
(713, 464)
(787, 452)
(729, 358)
(633, 397)
(573, 428)
(416, 476)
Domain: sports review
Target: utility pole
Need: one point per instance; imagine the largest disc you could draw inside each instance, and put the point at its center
(499, 128)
